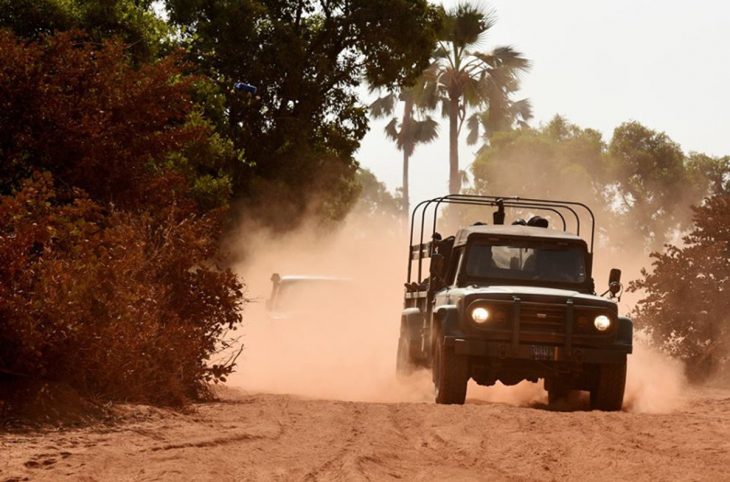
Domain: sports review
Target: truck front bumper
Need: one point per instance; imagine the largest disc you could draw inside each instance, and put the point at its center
(546, 353)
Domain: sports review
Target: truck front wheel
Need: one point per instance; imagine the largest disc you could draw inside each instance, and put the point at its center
(608, 391)
(451, 374)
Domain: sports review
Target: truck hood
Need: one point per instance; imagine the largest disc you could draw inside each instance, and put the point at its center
(530, 291)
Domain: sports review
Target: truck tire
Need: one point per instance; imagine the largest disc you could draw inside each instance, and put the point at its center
(608, 391)
(451, 374)
(404, 364)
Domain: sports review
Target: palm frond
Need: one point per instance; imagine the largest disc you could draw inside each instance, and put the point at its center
(425, 131)
(426, 93)
(466, 23)
(500, 79)
(383, 106)
(445, 108)
(474, 93)
(472, 127)
(507, 56)
(392, 131)
(504, 57)
(522, 110)
(486, 57)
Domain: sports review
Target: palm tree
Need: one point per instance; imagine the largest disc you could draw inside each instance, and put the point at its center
(498, 117)
(412, 129)
(462, 79)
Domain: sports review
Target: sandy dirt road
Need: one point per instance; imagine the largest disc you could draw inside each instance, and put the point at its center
(279, 437)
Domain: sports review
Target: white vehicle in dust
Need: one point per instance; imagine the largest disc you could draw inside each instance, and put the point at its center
(302, 296)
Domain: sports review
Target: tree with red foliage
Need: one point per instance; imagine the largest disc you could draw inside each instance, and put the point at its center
(112, 194)
(126, 135)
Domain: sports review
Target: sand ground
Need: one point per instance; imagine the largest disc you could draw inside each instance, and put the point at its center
(281, 437)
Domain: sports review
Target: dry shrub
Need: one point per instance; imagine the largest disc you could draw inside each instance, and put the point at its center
(108, 272)
(686, 308)
(127, 306)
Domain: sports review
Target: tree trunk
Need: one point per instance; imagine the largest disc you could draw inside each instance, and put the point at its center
(407, 147)
(454, 181)
(406, 202)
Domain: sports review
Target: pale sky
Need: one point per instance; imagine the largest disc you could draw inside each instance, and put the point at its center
(665, 64)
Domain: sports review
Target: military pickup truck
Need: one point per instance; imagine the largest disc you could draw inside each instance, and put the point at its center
(512, 302)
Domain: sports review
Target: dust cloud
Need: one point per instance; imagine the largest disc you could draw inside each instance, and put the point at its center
(655, 382)
(343, 344)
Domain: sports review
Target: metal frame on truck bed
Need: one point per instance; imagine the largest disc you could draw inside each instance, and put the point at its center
(423, 250)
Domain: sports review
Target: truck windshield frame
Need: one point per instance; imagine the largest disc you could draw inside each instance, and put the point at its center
(511, 260)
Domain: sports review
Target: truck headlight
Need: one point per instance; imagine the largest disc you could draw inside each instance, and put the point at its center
(480, 315)
(602, 322)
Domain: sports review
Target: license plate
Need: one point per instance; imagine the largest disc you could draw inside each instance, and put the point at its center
(542, 352)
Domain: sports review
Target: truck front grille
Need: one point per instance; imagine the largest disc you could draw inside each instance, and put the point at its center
(546, 322)
(540, 318)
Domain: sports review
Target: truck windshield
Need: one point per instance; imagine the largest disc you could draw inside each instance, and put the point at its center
(527, 261)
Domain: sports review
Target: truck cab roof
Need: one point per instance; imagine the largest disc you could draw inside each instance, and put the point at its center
(513, 230)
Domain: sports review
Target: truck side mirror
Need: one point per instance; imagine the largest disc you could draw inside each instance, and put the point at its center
(614, 281)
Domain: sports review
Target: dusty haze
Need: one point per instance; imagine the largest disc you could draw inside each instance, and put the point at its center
(349, 354)
(309, 408)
